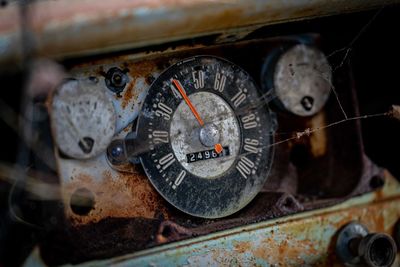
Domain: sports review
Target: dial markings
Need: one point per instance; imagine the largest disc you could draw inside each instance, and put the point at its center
(160, 137)
(219, 83)
(249, 121)
(207, 99)
(251, 145)
(198, 79)
(239, 98)
(167, 161)
(245, 167)
(179, 179)
(162, 110)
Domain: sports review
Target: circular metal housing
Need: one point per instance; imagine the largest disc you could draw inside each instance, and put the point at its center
(351, 231)
(83, 119)
(301, 79)
(179, 156)
(209, 134)
(355, 246)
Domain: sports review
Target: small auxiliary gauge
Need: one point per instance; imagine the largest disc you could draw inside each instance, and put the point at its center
(300, 78)
(83, 119)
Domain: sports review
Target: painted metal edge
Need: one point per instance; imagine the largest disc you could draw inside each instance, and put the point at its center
(70, 28)
(303, 239)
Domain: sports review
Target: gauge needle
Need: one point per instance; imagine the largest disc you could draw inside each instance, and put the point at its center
(218, 147)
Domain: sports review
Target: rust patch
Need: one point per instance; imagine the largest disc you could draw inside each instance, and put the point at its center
(121, 195)
(286, 244)
(243, 247)
(373, 217)
(296, 242)
(169, 231)
(318, 139)
(142, 68)
(128, 94)
(379, 195)
(100, 71)
(136, 70)
(290, 248)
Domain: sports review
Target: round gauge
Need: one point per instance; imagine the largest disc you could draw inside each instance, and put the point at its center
(208, 135)
(302, 80)
(83, 119)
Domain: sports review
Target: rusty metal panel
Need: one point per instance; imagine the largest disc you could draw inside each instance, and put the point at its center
(129, 212)
(121, 194)
(70, 28)
(306, 239)
(300, 240)
(129, 194)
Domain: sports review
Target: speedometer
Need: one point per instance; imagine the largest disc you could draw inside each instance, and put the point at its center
(208, 135)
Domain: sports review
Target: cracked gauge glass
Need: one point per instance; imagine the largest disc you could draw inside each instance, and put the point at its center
(83, 119)
(301, 80)
(206, 134)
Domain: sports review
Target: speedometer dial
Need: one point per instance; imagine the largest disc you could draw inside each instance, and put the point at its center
(208, 135)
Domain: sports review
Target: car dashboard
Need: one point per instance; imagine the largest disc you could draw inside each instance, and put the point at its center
(202, 133)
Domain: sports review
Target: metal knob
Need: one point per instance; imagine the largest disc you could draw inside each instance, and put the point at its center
(355, 246)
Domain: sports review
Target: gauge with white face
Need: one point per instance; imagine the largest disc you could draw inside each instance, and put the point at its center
(302, 80)
(83, 119)
(208, 137)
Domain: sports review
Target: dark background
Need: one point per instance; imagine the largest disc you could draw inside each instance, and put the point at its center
(375, 59)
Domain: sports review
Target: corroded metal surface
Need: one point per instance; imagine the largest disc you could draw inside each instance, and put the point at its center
(71, 28)
(116, 194)
(306, 239)
(129, 194)
(128, 102)
(315, 170)
(300, 240)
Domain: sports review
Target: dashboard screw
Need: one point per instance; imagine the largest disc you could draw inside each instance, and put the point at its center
(116, 80)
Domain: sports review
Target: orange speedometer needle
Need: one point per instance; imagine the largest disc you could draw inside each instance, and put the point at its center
(187, 100)
(218, 147)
